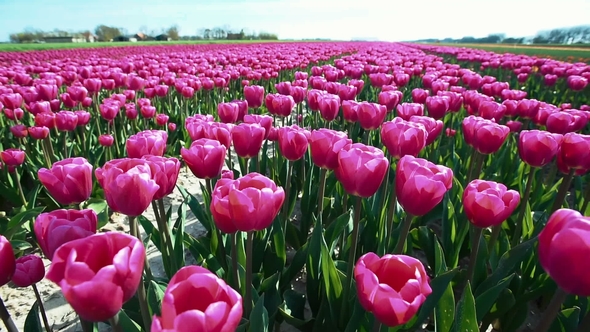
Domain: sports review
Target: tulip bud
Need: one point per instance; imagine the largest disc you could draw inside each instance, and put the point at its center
(488, 203)
(29, 270)
(7, 261)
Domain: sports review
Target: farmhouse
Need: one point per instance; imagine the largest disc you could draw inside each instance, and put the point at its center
(65, 39)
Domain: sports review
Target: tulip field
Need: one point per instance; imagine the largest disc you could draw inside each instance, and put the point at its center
(338, 186)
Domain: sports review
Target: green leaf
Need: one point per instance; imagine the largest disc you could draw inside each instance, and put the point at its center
(508, 263)
(127, 324)
(313, 268)
(439, 286)
(567, 320)
(20, 245)
(18, 220)
(335, 229)
(32, 322)
(466, 320)
(445, 311)
(332, 283)
(486, 300)
(259, 317)
(155, 295)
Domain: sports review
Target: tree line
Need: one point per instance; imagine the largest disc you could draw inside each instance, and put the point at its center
(572, 35)
(110, 33)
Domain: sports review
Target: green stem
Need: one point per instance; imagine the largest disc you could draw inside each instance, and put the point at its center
(586, 200)
(552, 310)
(234, 261)
(87, 326)
(321, 193)
(478, 166)
(41, 308)
(476, 233)
(494, 237)
(523, 205)
(376, 325)
(562, 192)
(167, 249)
(286, 206)
(382, 203)
(249, 259)
(351, 257)
(20, 187)
(141, 294)
(65, 138)
(115, 326)
(403, 235)
(391, 211)
(552, 173)
(471, 163)
(5, 315)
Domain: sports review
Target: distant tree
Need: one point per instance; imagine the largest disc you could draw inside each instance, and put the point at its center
(106, 33)
(173, 32)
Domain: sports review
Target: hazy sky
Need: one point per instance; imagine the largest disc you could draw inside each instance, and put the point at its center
(387, 20)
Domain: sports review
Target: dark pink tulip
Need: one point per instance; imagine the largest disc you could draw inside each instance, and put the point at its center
(515, 126)
(205, 158)
(419, 95)
(254, 95)
(264, 120)
(147, 142)
(99, 273)
(283, 88)
(7, 261)
(83, 118)
(371, 115)
(293, 142)
(249, 203)
(347, 92)
(11, 100)
(325, 144)
(421, 185)
(329, 105)
(228, 112)
(69, 181)
(29, 270)
(407, 110)
(19, 131)
(52, 229)
(361, 169)
(66, 121)
(437, 106)
(197, 298)
(403, 137)
(279, 105)
(39, 132)
(577, 83)
(106, 140)
(390, 99)
(433, 127)
(128, 184)
(247, 139)
(298, 93)
(313, 99)
(162, 119)
(165, 173)
(13, 157)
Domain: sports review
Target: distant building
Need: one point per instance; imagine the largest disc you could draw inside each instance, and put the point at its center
(125, 39)
(65, 39)
(163, 37)
(90, 37)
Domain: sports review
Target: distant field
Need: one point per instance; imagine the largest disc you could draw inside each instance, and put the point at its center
(55, 46)
(561, 52)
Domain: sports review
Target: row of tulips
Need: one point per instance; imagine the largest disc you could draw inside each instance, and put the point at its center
(334, 150)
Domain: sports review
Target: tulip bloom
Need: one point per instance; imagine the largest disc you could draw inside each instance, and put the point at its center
(254, 95)
(293, 142)
(249, 203)
(228, 112)
(7, 261)
(419, 95)
(165, 173)
(403, 137)
(563, 244)
(420, 185)
(128, 184)
(392, 287)
(488, 203)
(361, 169)
(13, 157)
(329, 106)
(432, 126)
(52, 229)
(106, 140)
(325, 144)
(371, 115)
(407, 110)
(205, 158)
(350, 111)
(264, 120)
(198, 300)
(29, 270)
(147, 142)
(575, 151)
(248, 139)
(538, 148)
(69, 181)
(99, 273)
(390, 99)
(437, 106)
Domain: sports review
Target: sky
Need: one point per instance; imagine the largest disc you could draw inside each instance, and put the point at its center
(386, 20)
